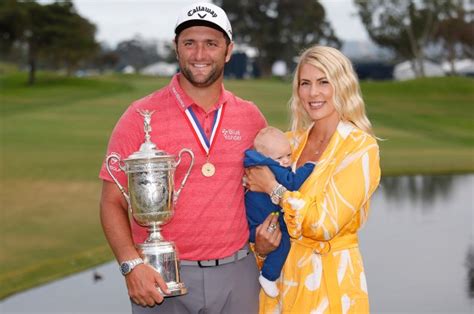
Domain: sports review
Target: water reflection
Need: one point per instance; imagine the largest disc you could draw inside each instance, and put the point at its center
(417, 188)
(98, 290)
(418, 245)
(470, 271)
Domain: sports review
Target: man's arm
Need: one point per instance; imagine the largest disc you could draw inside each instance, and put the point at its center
(143, 279)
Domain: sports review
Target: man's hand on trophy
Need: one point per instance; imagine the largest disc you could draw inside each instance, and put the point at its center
(143, 283)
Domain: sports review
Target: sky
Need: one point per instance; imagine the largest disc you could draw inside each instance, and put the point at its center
(118, 20)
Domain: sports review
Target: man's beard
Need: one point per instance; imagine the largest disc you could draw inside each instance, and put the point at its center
(207, 81)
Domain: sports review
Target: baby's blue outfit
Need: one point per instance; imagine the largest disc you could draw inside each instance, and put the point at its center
(259, 205)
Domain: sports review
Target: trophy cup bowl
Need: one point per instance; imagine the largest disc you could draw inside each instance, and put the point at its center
(151, 190)
(151, 198)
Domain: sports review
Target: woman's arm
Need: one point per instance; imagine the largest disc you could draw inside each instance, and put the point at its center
(321, 213)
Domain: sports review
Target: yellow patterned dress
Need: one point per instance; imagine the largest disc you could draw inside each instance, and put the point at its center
(324, 272)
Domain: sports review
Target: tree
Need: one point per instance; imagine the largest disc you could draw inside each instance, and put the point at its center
(456, 33)
(396, 24)
(408, 27)
(106, 60)
(12, 23)
(137, 52)
(166, 51)
(74, 37)
(49, 32)
(279, 29)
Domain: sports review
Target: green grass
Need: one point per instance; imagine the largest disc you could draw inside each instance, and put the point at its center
(54, 136)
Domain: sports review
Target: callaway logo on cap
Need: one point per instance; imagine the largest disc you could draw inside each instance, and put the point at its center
(206, 14)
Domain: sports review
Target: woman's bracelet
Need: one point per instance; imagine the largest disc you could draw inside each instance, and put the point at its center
(277, 194)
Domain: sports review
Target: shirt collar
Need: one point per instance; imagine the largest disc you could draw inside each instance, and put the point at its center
(184, 101)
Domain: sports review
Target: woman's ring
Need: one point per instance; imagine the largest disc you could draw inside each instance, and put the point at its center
(271, 228)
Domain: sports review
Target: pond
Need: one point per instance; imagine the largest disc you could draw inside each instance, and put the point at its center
(418, 250)
(418, 245)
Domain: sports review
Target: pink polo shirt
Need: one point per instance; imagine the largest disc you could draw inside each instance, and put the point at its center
(209, 220)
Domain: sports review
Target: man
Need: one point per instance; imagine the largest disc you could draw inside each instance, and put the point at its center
(209, 227)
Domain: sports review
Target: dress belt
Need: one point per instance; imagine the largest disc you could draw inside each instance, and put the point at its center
(325, 250)
(240, 254)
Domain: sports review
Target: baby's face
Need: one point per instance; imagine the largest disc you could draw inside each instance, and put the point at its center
(280, 151)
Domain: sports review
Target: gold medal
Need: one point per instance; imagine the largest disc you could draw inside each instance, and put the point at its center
(208, 169)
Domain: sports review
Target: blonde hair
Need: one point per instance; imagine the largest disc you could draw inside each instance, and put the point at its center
(262, 143)
(338, 69)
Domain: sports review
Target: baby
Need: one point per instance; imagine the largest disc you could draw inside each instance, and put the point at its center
(272, 149)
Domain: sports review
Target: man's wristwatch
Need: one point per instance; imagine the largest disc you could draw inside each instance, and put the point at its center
(277, 194)
(127, 266)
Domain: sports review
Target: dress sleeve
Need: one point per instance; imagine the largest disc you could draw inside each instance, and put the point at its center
(322, 212)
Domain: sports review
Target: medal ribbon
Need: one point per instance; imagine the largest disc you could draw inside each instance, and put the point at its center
(206, 144)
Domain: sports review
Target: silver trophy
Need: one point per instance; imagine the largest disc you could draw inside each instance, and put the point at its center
(151, 198)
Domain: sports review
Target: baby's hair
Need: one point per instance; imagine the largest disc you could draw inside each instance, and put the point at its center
(264, 138)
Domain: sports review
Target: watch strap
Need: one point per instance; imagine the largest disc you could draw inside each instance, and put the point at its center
(131, 265)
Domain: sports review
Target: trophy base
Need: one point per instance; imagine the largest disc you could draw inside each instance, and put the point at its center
(175, 289)
(162, 256)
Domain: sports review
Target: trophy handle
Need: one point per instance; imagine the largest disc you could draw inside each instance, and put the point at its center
(107, 166)
(183, 182)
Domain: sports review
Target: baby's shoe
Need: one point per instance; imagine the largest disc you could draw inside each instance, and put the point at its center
(268, 286)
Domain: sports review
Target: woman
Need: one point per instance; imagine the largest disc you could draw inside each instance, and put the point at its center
(323, 272)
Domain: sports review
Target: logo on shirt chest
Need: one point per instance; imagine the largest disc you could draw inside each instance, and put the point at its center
(231, 135)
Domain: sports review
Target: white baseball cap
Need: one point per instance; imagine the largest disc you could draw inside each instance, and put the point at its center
(205, 14)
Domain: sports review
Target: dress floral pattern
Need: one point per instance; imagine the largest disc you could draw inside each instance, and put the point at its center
(324, 272)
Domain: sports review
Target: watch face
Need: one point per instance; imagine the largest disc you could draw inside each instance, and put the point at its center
(125, 268)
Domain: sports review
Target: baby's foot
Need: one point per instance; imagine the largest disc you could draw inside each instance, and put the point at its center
(268, 286)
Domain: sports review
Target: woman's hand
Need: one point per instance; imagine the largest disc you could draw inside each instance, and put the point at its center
(260, 179)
